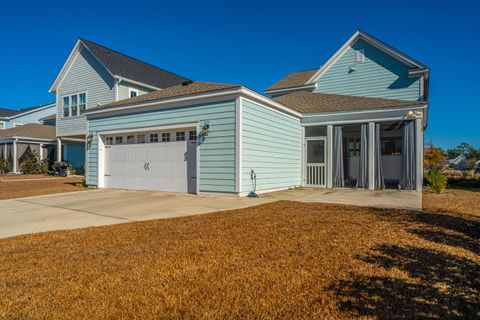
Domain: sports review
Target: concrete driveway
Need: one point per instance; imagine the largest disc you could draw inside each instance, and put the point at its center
(103, 206)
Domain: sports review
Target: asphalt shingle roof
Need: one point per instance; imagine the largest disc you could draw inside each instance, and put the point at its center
(295, 79)
(127, 67)
(171, 92)
(31, 130)
(313, 102)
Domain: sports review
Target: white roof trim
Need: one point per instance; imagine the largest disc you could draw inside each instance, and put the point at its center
(287, 89)
(374, 42)
(364, 111)
(137, 83)
(66, 66)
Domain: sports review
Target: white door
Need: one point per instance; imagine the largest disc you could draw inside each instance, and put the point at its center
(160, 166)
(315, 159)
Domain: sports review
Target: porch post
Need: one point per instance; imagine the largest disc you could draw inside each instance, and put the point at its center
(329, 156)
(15, 160)
(59, 149)
(302, 157)
(419, 154)
(371, 155)
(41, 151)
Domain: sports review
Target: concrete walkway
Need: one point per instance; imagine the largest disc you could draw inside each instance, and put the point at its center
(104, 207)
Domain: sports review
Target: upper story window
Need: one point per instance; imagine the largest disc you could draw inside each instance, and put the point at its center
(74, 105)
(132, 92)
(2, 125)
(360, 56)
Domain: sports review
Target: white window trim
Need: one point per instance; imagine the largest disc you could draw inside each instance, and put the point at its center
(2, 125)
(130, 90)
(70, 95)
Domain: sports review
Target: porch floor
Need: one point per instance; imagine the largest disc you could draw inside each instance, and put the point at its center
(358, 197)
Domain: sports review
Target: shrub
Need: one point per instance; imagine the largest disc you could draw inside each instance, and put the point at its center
(5, 166)
(433, 157)
(436, 179)
(33, 165)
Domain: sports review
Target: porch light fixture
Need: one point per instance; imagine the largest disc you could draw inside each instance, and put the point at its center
(413, 114)
(89, 138)
(205, 129)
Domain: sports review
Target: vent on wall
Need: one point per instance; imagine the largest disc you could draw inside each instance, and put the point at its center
(360, 56)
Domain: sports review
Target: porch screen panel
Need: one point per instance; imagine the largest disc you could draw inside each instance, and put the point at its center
(408, 170)
(379, 177)
(362, 181)
(338, 170)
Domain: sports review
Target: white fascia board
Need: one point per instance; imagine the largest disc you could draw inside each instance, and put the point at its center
(326, 114)
(32, 111)
(141, 84)
(151, 128)
(298, 88)
(371, 40)
(26, 139)
(269, 102)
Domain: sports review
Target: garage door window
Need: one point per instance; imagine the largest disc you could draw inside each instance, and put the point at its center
(154, 137)
(130, 139)
(109, 141)
(141, 138)
(192, 135)
(180, 136)
(166, 137)
(119, 140)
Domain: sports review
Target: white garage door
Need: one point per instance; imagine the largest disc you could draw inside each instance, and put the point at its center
(145, 162)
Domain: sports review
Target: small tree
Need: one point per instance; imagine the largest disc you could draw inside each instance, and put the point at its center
(433, 157)
(31, 164)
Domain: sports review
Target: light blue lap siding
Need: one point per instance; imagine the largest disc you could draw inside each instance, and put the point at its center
(217, 152)
(271, 146)
(380, 76)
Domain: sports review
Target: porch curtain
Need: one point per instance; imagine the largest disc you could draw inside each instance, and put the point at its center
(338, 174)
(362, 181)
(10, 153)
(2, 151)
(408, 171)
(379, 178)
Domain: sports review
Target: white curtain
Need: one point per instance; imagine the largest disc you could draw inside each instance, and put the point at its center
(408, 170)
(338, 173)
(362, 181)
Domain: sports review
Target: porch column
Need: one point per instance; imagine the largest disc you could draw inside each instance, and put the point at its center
(329, 156)
(41, 151)
(419, 154)
(5, 151)
(371, 155)
(59, 149)
(15, 160)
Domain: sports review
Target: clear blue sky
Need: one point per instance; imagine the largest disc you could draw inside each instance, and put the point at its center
(250, 43)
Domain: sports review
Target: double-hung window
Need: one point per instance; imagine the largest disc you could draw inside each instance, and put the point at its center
(74, 105)
(83, 102)
(66, 106)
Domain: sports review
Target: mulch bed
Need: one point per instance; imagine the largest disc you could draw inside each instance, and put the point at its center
(19, 186)
(284, 260)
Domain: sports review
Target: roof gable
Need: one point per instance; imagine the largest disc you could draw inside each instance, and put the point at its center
(121, 66)
(362, 35)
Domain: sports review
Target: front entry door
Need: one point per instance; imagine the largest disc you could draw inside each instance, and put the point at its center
(315, 159)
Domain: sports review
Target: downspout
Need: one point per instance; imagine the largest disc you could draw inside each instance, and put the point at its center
(115, 87)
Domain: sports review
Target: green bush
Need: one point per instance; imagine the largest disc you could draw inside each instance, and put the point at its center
(31, 164)
(436, 179)
(5, 166)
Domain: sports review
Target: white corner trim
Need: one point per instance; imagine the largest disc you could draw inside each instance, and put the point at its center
(238, 144)
(371, 40)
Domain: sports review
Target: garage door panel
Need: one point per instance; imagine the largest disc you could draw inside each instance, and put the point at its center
(168, 166)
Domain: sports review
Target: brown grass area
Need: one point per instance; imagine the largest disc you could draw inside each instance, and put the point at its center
(284, 260)
(454, 201)
(18, 186)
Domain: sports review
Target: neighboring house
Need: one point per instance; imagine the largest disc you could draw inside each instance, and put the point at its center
(357, 121)
(459, 162)
(13, 118)
(94, 75)
(33, 138)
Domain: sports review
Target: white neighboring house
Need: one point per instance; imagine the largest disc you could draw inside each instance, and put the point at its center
(14, 118)
(459, 162)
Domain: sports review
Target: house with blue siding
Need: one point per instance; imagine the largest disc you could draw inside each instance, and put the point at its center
(355, 122)
(13, 118)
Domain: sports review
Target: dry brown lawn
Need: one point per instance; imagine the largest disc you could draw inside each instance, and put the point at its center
(284, 260)
(453, 201)
(18, 186)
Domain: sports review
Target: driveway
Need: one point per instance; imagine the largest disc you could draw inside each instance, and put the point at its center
(103, 206)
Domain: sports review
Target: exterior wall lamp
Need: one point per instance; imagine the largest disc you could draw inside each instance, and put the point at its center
(413, 114)
(205, 129)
